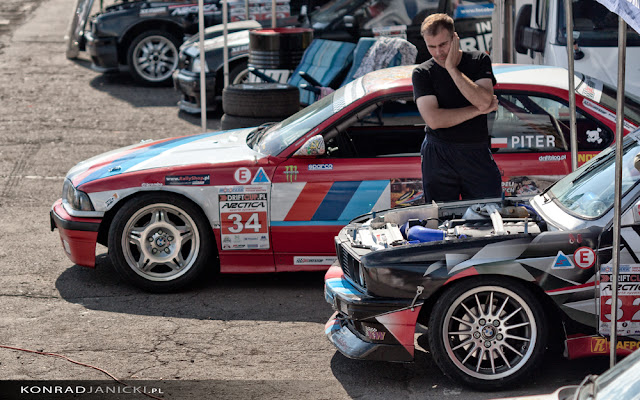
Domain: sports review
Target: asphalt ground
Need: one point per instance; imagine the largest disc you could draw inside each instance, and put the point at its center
(235, 337)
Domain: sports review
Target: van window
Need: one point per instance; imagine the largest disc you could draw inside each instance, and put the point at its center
(526, 123)
(593, 25)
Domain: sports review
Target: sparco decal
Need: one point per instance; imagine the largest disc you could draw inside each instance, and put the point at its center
(320, 167)
(187, 180)
(193, 9)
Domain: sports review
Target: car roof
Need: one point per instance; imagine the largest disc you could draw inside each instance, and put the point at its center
(537, 75)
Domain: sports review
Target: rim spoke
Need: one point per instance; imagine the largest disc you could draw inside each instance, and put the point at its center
(474, 317)
(135, 238)
(522, 339)
(466, 342)
(480, 310)
(507, 345)
(470, 353)
(507, 327)
(481, 351)
(506, 300)
(467, 323)
(512, 314)
(504, 358)
(490, 304)
(460, 333)
(493, 366)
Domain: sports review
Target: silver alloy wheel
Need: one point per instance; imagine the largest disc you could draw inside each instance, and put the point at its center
(489, 332)
(155, 58)
(242, 77)
(160, 242)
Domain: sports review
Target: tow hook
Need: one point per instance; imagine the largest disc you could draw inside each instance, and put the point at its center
(415, 298)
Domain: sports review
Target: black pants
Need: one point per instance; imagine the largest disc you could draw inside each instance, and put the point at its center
(453, 171)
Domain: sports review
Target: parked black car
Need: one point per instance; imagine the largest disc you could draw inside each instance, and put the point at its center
(143, 35)
(340, 20)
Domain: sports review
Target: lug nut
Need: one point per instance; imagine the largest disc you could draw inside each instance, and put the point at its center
(154, 250)
(496, 322)
(499, 336)
(476, 335)
(482, 321)
(166, 250)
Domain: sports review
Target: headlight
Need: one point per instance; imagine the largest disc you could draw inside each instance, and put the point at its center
(195, 66)
(361, 276)
(76, 199)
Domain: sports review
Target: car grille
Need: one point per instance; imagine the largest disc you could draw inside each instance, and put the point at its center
(349, 264)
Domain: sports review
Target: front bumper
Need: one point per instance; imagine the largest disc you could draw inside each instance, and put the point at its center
(188, 84)
(103, 52)
(366, 327)
(78, 235)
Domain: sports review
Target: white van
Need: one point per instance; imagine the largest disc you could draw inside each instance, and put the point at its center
(540, 38)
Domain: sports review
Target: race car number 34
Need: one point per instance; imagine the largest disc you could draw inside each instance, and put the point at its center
(243, 217)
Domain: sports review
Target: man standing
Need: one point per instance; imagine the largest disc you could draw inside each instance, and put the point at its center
(454, 93)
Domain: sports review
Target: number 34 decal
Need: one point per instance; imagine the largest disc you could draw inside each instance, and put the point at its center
(244, 222)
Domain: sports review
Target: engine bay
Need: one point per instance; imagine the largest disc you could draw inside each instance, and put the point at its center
(436, 224)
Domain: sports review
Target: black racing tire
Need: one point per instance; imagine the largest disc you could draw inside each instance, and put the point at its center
(152, 56)
(505, 343)
(228, 122)
(160, 242)
(261, 100)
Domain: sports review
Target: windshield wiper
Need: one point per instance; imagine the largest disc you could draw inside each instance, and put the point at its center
(257, 134)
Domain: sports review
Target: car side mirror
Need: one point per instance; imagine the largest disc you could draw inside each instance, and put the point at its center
(526, 37)
(312, 147)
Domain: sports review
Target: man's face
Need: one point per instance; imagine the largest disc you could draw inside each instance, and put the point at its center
(439, 45)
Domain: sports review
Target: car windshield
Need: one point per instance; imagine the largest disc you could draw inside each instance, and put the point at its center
(589, 191)
(593, 25)
(278, 137)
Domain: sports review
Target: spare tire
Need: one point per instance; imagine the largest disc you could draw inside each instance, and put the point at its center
(228, 122)
(261, 100)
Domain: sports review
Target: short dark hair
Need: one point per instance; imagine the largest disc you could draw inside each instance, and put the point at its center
(436, 22)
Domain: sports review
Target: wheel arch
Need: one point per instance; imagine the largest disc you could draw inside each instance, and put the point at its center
(107, 220)
(147, 25)
(553, 314)
(234, 62)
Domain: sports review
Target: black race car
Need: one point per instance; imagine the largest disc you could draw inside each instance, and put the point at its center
(495, 282)
(144, 35)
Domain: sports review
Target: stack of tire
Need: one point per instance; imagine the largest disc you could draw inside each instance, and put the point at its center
(255, 103)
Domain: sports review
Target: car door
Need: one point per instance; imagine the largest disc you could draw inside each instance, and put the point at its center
(530, 139)
(372, 162)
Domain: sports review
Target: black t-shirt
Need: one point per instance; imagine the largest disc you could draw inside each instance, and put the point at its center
(429, 78)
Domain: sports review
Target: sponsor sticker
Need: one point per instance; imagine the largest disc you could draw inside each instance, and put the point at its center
(242, 175)
(244, 220)
(320, 167)
(605, 113)
(187, 180)
(373, 333)
(628, 303)
(111, 200)
(291, 172)
(261, 177)
(562, 261)
(181, 10)
(552, 158)
(310, 260)
(584, 257)
(153, 11)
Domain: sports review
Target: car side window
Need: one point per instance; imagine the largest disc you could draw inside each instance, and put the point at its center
(393, 128)
(526, 123)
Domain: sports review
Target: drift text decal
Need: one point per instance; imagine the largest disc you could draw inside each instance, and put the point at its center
(243, 218)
